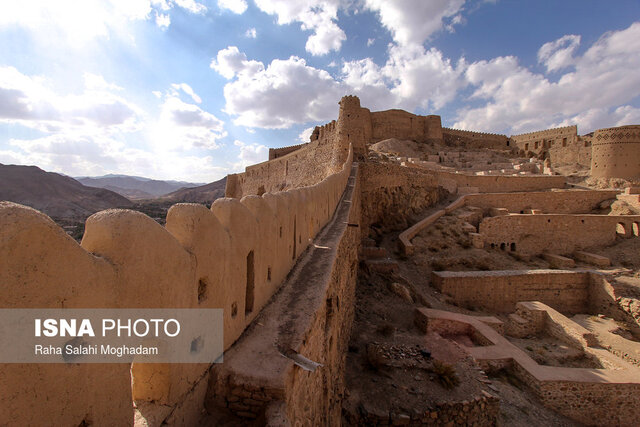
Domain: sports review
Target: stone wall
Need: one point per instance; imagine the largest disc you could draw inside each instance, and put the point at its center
(403, 125)
(539, 141)
(454, 182)
(392, 194)
(472, 139)
(204, 257)
(500, 291)
(274, 153)
(560, 234)
(568, 202)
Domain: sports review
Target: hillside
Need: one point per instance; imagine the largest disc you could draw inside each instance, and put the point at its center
(135, 187)
(56, 195)
(203, 194)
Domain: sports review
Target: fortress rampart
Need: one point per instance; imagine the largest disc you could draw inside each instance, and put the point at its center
(540, 140)
(616, 152)
(274, 153)
(475, 139)
(233, 256)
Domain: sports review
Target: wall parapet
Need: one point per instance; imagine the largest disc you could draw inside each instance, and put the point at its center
(233, 256)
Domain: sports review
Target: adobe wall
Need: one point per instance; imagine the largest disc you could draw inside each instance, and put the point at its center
(454, 182)
(205, 256)
(559, 202)
(539, 141)
(616, 152)
(403, 125)
(500, 291)
(472, 139)
(560, 234)
(575, 151)
(392, 194)
(310, 316)
(274, 153)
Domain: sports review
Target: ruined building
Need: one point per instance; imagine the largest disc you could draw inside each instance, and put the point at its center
(389, 271)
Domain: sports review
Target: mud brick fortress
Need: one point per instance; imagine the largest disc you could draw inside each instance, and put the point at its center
(435, 276)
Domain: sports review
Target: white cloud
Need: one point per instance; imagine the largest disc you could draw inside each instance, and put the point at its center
(163, 20)
(251, 33)
(30, 102)
(605, 78)
(77, 22)
(250, 154)
(231, 61)
(183, 126)
(370, 42)
(235, 6)
(317, 16)
(188, 90)
(305, 135)
(87, 133)
(289, 91)
(282, 94)
(558, 54)
(414, 21)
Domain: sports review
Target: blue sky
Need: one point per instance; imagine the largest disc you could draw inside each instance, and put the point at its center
(194, 90)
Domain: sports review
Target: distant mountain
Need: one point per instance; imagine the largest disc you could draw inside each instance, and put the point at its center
(56, 195)
(135, 187)
(203, 194)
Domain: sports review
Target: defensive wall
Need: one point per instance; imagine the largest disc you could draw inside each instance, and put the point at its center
(309, 317)
(539, 141)
(472, 139)
(233, 256)
(616, 152)
(555, 233)
(274, 153)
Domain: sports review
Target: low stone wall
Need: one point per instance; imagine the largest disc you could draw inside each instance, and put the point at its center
(454, 182)
(561, 234)
(585, 395)
(481, 411)
(557, 202)
(311, 317)
(500, 291)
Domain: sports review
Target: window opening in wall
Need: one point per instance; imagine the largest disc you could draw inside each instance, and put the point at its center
(513, 247)
(280, 231)
(564, 142)
(234, 310)
(502, 246)
(202, 289)
(248, 303)
(526, 146)
(620, 229)
(493, 246)
(268, 274)
(635, 228)
(293, 255)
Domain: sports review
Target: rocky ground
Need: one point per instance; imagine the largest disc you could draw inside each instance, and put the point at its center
(384, 382)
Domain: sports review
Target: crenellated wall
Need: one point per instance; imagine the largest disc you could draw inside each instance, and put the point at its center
(233, 256)
(472, 139)
(541, 140)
